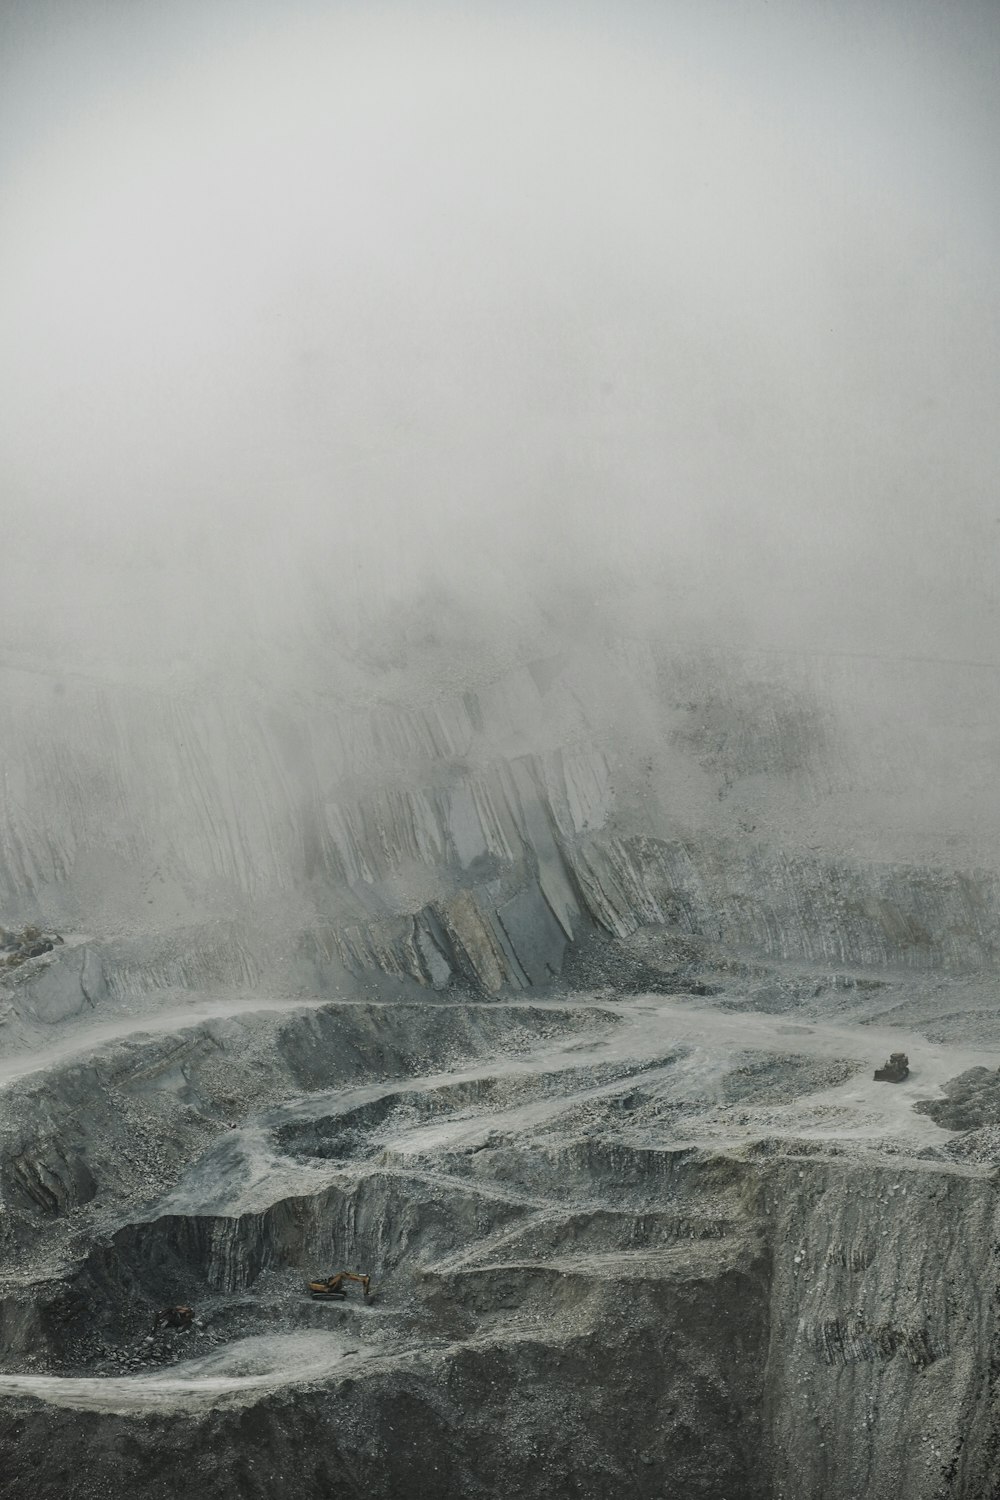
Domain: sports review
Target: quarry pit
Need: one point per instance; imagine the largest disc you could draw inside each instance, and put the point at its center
(589, 1095)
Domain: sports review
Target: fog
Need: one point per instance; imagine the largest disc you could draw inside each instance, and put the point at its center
(498, 742)
(681, 313)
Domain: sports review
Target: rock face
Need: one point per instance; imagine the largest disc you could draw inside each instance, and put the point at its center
(793, 808)
(604, 1256)
(552, 1002)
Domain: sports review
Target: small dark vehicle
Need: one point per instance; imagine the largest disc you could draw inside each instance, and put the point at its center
(895, 1070)
(174, 1317)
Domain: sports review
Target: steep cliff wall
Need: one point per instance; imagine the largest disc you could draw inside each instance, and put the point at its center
(834, 810)
(606, 1257)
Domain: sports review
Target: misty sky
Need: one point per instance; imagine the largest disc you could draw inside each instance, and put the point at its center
(693, 302)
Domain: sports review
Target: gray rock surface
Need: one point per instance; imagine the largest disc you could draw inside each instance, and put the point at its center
(553, 1003)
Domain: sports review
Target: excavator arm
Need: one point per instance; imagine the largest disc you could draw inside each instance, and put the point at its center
(333, 1286)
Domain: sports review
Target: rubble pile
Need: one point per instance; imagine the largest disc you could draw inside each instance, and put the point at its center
(31, 942)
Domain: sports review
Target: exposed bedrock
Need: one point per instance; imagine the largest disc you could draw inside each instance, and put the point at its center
(575, 1293)
(792, 1353)
(312, 835)
(358, 975)
(521, 1416)
(85, 1138)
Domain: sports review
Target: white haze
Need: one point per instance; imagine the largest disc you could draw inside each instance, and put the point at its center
(684, 311)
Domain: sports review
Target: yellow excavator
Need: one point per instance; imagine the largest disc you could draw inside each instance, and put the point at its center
(333, 1289)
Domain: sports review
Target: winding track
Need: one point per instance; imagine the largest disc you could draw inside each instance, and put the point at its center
(649, 1026)
(244, 1369)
